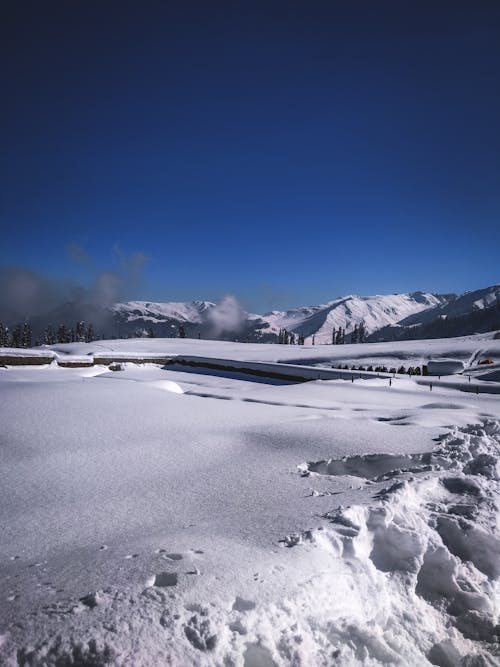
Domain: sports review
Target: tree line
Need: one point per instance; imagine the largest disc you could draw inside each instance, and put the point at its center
(21, 335)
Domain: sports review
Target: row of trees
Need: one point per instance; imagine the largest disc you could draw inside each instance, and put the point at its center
(358, 335)
(81, 333)
(21, 335)
(402, 370)
(290, 338)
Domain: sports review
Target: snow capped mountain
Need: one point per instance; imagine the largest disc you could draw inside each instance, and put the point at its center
(458, 306)
(189, 312)
(198, 317)
(375, 311)
(385, 317)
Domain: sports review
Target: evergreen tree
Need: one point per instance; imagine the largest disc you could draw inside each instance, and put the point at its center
(182, 331)
(3, 335)
(334, 339)
(361, 332)
(49, 337)
(151, 333)
(80, 332)
(89, 337)
(62, 335)
(26, 335)
(17, 336)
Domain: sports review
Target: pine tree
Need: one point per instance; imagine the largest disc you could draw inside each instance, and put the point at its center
(49, 336)
(62, 336)
(334, 339)
(182, 331)
(89, 337)
(361, 333)
(26, 335)
(354, 335)
(151, 333)
(17, 336)
(80, 332)
(3, 335)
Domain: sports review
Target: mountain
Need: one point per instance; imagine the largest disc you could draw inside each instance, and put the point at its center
(374, 311)
(386, 317)
(476, 311)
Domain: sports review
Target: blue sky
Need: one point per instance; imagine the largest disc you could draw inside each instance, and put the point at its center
(286, 153)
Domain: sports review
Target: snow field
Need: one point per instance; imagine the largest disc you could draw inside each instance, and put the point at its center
(172, 516)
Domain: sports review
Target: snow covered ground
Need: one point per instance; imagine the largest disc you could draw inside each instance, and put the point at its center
(184, 516)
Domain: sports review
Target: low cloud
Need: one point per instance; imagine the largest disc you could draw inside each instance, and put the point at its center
(227, 317)
(31, 296)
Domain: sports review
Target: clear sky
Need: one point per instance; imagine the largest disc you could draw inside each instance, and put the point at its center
(285, 152)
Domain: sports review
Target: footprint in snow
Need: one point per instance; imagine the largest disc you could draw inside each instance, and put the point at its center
(240, 604)
(163, 580)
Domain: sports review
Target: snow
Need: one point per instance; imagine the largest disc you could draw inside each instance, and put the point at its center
(191, 311)
(194, 516)
(375, 311)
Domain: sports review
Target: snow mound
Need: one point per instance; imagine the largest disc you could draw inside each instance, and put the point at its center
(410, 578)
(432, 539)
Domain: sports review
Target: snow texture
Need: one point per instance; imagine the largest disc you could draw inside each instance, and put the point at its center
(176, 515)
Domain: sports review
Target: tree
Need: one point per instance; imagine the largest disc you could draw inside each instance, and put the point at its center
(151, 333)
(26, 335)
(361, 332)
(182, 331)
(62, 334)
(355, 334)
(80, 332)
(89, 336)
(17, 336)
(334, 338)
(4, 334)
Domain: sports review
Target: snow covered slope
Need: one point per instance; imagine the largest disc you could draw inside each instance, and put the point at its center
(375, 311)
(470, 312)
(190, 311)
(417, 315)
(187, 517)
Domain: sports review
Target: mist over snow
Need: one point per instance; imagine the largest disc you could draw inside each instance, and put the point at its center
(226, 317)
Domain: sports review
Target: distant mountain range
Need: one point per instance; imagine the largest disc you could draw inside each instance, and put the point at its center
(386, 317)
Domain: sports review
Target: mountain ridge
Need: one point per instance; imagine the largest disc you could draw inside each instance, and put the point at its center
(385, 317)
